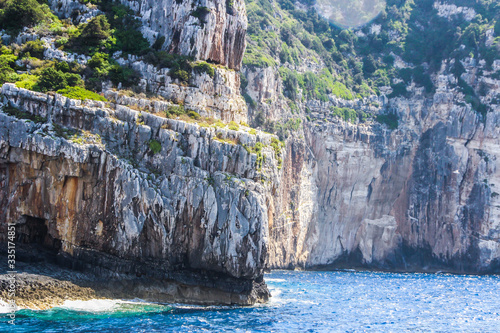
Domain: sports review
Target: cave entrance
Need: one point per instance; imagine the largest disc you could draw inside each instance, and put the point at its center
(33, 231)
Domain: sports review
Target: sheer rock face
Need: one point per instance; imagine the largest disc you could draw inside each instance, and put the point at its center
(211, 30)
(422, 197)
(194, 213)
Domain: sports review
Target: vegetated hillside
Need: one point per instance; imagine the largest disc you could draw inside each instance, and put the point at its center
(391, 133)
(84, 49)
(406, 43)
(98, 39)
(92, 47)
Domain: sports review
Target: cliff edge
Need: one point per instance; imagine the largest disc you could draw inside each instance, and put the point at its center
(113, 191)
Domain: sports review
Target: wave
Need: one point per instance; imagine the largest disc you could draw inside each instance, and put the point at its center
(274, 280)
(4, 307)
(94, 305)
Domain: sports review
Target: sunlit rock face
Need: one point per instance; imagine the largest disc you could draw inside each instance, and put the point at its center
(217, 97)
(421, 197)
(194, 213)
(211, 30)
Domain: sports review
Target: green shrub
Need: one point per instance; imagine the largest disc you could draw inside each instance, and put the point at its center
(27, 81)
(158, 44)
(176, 110)
(347, 114)
(51, 80)
(421, 77)
(255, 57)
(34, 49)
(7, 63)
(17, 14)
(258, 147)
(126, 26)
(320, 86)
(74, 80)
(369, 65)
(398, 90)
(340, 90)
(62, 66)
(194, 115)
(179, 74)
(81, 94)
(391, 120)
(234, 126)
(103, 69)
(127, 76)
(277, 145)
(162, 59)
(290, 82)
(99, 61)
(96, 31)
(203, 67)
(154, 146)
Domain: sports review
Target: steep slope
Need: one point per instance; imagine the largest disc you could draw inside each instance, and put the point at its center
(163, 190)
(206, 30)
(123, 192)
(402, 180)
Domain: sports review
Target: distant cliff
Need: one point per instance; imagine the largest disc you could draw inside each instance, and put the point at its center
(422, 197)
(405, 180)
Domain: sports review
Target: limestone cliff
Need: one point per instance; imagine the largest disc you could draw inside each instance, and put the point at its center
(218, 96)
(115, 190)
(421, 197)
(211, 30)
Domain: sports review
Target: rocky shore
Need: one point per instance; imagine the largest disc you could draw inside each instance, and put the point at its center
(42, 282)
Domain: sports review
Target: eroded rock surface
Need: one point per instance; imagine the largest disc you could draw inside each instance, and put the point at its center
(212, 30)
(422, 197)
(195, 212)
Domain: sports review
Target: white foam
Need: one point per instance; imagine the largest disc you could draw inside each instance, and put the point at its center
(275, 292)
(4, 307)
(274, 280)
(100, 305)
(94, 305)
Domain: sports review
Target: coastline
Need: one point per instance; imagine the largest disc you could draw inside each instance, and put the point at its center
(42, 283)
(42, 286)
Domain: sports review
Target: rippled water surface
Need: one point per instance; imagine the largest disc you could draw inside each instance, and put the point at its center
(302, 302)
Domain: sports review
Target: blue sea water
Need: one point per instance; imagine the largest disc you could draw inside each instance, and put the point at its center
(304, 302)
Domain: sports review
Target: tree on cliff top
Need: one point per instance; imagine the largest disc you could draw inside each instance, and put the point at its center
(16, 14)
(96, 31)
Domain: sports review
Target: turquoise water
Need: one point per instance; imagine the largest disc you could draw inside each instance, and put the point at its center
(304, 302)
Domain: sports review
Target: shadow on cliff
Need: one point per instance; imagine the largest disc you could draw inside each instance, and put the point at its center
(409, 259)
